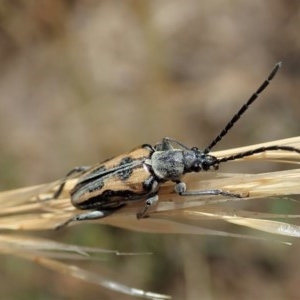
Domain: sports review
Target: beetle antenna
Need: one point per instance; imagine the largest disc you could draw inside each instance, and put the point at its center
(237, 116)
(256, 151)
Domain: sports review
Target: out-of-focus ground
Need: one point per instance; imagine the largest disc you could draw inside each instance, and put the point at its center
(81, 81)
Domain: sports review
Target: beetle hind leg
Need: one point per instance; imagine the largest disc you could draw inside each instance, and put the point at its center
(75, 170)
(91, 215)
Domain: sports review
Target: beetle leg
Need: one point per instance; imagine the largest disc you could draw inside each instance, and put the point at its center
(91, 215)
(166, 144)
(148, 203)
(180, 189)
(79, 169)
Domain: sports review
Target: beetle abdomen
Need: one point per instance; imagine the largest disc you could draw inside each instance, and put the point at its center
(118, 180)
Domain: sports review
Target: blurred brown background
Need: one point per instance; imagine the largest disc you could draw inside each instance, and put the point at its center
(81, 81)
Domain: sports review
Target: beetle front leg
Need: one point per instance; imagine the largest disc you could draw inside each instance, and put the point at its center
(180, 189)
(91, 215)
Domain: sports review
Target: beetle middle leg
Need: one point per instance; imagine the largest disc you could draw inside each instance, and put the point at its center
(180, 189)
(152, 185)
(166, 144)
(148, 203)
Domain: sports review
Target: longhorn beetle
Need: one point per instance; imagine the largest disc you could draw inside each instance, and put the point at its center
(138, 174)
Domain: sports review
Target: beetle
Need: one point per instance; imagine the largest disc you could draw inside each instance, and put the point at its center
(138, 174)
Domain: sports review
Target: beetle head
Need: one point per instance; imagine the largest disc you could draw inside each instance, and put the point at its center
(197, 160)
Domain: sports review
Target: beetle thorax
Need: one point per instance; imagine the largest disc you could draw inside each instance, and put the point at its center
(173, 164)
(168, 164)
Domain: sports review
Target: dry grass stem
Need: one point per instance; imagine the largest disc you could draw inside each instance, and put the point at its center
(46, 253)
(30, 208)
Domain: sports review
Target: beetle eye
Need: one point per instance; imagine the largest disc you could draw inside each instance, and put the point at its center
(206, 166)
(196, 167)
